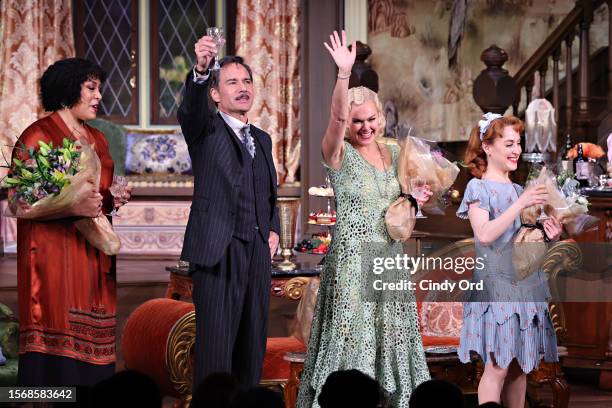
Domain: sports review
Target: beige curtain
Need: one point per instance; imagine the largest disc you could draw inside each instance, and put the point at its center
(267, 37)
(33, 34)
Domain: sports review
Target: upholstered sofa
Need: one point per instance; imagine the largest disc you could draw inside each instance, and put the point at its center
(172, 324)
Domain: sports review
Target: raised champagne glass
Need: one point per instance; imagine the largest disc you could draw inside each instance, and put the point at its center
(217, 35)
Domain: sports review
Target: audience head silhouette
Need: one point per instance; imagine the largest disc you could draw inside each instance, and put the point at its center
(128, 388)
(215, 391)
(436, 393)
(351, 388)
(258, 397)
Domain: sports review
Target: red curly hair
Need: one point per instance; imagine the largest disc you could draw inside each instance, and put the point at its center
(475, 157)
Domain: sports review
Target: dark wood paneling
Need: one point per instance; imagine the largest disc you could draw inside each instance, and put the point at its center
(588, 323)
(231, 8)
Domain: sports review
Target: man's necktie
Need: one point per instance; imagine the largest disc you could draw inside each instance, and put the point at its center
(247, 140)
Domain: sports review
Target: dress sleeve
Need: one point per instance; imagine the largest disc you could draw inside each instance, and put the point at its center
(29, 139)
(475, 192)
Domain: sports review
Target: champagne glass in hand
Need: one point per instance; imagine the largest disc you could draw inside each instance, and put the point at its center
(216, 33)
(417, 190)
(534, 180)
(543, 216)
(117, 189)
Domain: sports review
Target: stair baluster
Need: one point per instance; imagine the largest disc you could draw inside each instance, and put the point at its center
(542, 72)
(556, 57)
(583, 90)
(529, 89)
(569, 96)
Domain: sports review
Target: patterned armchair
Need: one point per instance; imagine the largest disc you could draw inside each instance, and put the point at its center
(9, 343)
(158, 340)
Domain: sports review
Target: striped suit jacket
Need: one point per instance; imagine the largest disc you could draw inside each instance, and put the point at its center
(217, 167)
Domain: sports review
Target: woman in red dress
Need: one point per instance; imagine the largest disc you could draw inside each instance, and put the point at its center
(66, 287)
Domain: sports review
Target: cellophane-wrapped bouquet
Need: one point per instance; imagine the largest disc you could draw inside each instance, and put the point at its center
(51, 180)
(565, 203)
(417, 159)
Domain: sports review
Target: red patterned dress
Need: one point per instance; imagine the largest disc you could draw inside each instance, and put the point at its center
(66, 287)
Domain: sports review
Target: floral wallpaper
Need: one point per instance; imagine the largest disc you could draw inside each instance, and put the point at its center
(427, 54)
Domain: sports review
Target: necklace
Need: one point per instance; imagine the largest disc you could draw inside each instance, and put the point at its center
(382, 157)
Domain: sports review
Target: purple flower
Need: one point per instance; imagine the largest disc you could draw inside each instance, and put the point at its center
(39, 193)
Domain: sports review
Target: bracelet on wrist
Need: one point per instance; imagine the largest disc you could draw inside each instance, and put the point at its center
(200, 72)
(347, 76)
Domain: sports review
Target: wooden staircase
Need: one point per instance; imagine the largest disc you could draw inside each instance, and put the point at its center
(583, 102)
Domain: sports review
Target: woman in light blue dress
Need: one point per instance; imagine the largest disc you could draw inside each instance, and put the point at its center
(507, 323)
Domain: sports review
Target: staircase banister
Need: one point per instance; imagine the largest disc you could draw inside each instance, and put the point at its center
(554, 41)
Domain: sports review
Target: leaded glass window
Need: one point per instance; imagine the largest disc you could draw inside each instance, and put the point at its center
(106, 32)
(176, 26)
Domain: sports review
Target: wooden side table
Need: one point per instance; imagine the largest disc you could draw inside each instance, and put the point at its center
(284, 284)
(296, 366)
(180, 286)
(418, 237)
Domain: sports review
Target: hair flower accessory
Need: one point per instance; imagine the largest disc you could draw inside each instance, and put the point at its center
(486, 122)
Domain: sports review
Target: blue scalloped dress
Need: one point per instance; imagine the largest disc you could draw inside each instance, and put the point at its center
(509, 319)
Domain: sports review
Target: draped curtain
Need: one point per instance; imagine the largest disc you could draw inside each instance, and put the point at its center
(267, 38)
(33, 34)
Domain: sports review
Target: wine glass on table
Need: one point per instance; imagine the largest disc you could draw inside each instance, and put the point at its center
(117, 189)
(417, 190)
(217, 35)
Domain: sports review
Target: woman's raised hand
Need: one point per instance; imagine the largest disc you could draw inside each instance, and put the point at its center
(339, 51)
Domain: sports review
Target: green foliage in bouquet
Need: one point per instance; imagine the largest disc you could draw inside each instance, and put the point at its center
(563, 176)
(45, 171)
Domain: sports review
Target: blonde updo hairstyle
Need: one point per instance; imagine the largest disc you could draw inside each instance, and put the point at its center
(358, 96)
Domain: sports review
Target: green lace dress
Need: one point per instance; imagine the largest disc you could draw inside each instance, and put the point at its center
(379, 338)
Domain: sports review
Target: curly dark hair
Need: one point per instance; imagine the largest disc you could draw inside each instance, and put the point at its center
(60, 85)
(229, 59)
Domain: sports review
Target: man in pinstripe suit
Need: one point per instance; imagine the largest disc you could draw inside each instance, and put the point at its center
(233, 226)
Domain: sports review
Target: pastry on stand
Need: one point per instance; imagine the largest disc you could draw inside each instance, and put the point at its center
(319, 242)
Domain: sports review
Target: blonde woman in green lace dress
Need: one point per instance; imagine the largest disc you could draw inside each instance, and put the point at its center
(350, 331)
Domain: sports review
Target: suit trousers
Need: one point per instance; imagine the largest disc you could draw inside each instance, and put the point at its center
(231, 303)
